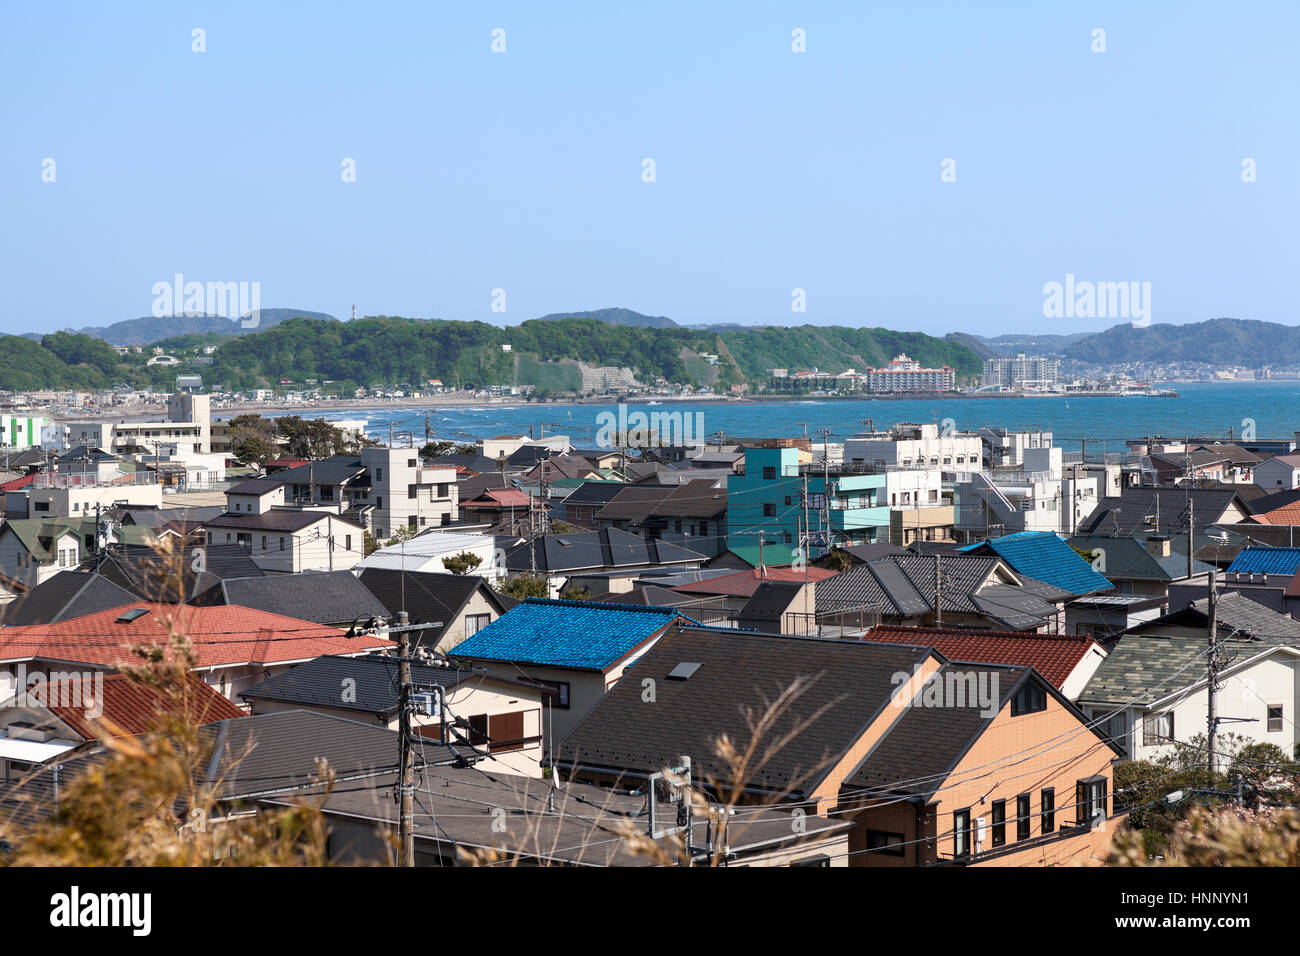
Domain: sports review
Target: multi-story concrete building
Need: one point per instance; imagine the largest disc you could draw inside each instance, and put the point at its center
(905, 374)
(405, 492)
(846, 504)
(1040, 494)
(188, 422)
(1021, 371)
(909, 444)
(23, 431)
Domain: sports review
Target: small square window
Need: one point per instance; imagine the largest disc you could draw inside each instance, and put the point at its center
(1274, 718)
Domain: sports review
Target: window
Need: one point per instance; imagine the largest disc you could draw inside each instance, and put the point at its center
(379, 474)
(506, 732)
(787, 501)
(704, 527)
(263, 542)
(410, 463)
(410, 491)
(1274, 718)
(999, 823)
(282, 543)
(1022, 816)
(769, 510)
(769, 473)
(789, 538)
(1048, 808)
(1158, 729)
(961, 833)
(379, 501)
(886, 844)
(555, 693)
(475, 623)
(1090, 799)
(815, 861)
(1030, 699)
(442, 489)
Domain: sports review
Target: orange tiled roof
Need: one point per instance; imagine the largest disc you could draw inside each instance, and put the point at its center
(745, 583)
(134, 708)
(221, 636)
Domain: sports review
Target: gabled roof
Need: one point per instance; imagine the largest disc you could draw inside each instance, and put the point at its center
(258, 486)
(276, 520)
(221, 636)
(594, 493)
(846, 685)
(1144, 668)
(374, 678)
(1129, 559)
(428, 597)
(131, 707)
(593, 550)
(334, 470)
(1045, 557)
(154, 575)
(582, 635)
(745, 583)
(1288, 514)
(1238, 616)
(1129, 512)
(1266, 561)
(67, 594)
(1055, 656)
(323, 597)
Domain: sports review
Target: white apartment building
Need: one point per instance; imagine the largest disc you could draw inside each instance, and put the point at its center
(1021, 371)
(1042, 494)
(188, 422)
(1004, 448)
(912, 445)
(405, 492)
(23, 431)
(905, 374)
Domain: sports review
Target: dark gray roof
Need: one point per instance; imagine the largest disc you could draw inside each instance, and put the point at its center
(1239, 616)
(848, 683)
(274, 520)
(323, 597)
(67, 594)
(320, 683)
(902, 585)
(594, 493)
(587, 550)
(152, 575)
(922, 748)
(334, 470)
(258, 486)
(1129, 512)
(428, 597)
(1129, 559)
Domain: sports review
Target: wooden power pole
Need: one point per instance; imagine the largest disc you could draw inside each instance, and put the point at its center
(406, 782)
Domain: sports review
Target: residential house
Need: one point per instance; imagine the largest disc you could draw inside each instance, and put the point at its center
(66, 594)
(1044, 556)
(858, 741)
(578, 650)
(580, 506)
(605, 562)
(1281, 472)
(500, 716)
(176, 574)
(692, 514)
(234, 647)
(1151, 693)
(292, 541)
(972, 590)
(255, 495)
(1146, 567)
(426, 553)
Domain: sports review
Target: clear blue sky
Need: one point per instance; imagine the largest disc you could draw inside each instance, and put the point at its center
(522, 170)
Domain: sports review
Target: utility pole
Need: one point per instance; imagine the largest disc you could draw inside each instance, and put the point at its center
(825, 434)
(1191, 528)
(406, 782)
(1212, 672)
(807, 536)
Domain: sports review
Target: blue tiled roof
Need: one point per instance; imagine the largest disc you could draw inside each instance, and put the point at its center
(579, 634)
(1045, 557)
(1265, 561)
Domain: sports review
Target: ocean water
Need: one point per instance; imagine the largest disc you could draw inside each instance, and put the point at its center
(1202, 409)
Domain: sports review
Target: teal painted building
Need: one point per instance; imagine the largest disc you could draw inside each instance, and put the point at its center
(769, 499)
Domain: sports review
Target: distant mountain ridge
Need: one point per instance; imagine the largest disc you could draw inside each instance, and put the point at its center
(151, 328)
(1224, 341)
(616, 317)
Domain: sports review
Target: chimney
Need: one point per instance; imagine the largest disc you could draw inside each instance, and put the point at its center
(1158, 545)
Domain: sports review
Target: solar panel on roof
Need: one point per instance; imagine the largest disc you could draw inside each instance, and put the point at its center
(133, 614)
(683, 671)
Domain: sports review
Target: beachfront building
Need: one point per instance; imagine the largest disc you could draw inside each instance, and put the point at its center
(1021, 371)
(905, 374)
(844, 504)
(23, 431)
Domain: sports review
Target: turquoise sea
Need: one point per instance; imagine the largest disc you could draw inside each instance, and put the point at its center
(1202, 409)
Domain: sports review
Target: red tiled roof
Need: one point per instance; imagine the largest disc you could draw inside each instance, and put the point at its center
(1054, 656)
(222, 636)
(745, 583)
(500, 498)
(1285, 515)
(130, 707)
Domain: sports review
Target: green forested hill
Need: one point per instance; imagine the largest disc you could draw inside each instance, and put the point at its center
(544, 353)
(1217, 341)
